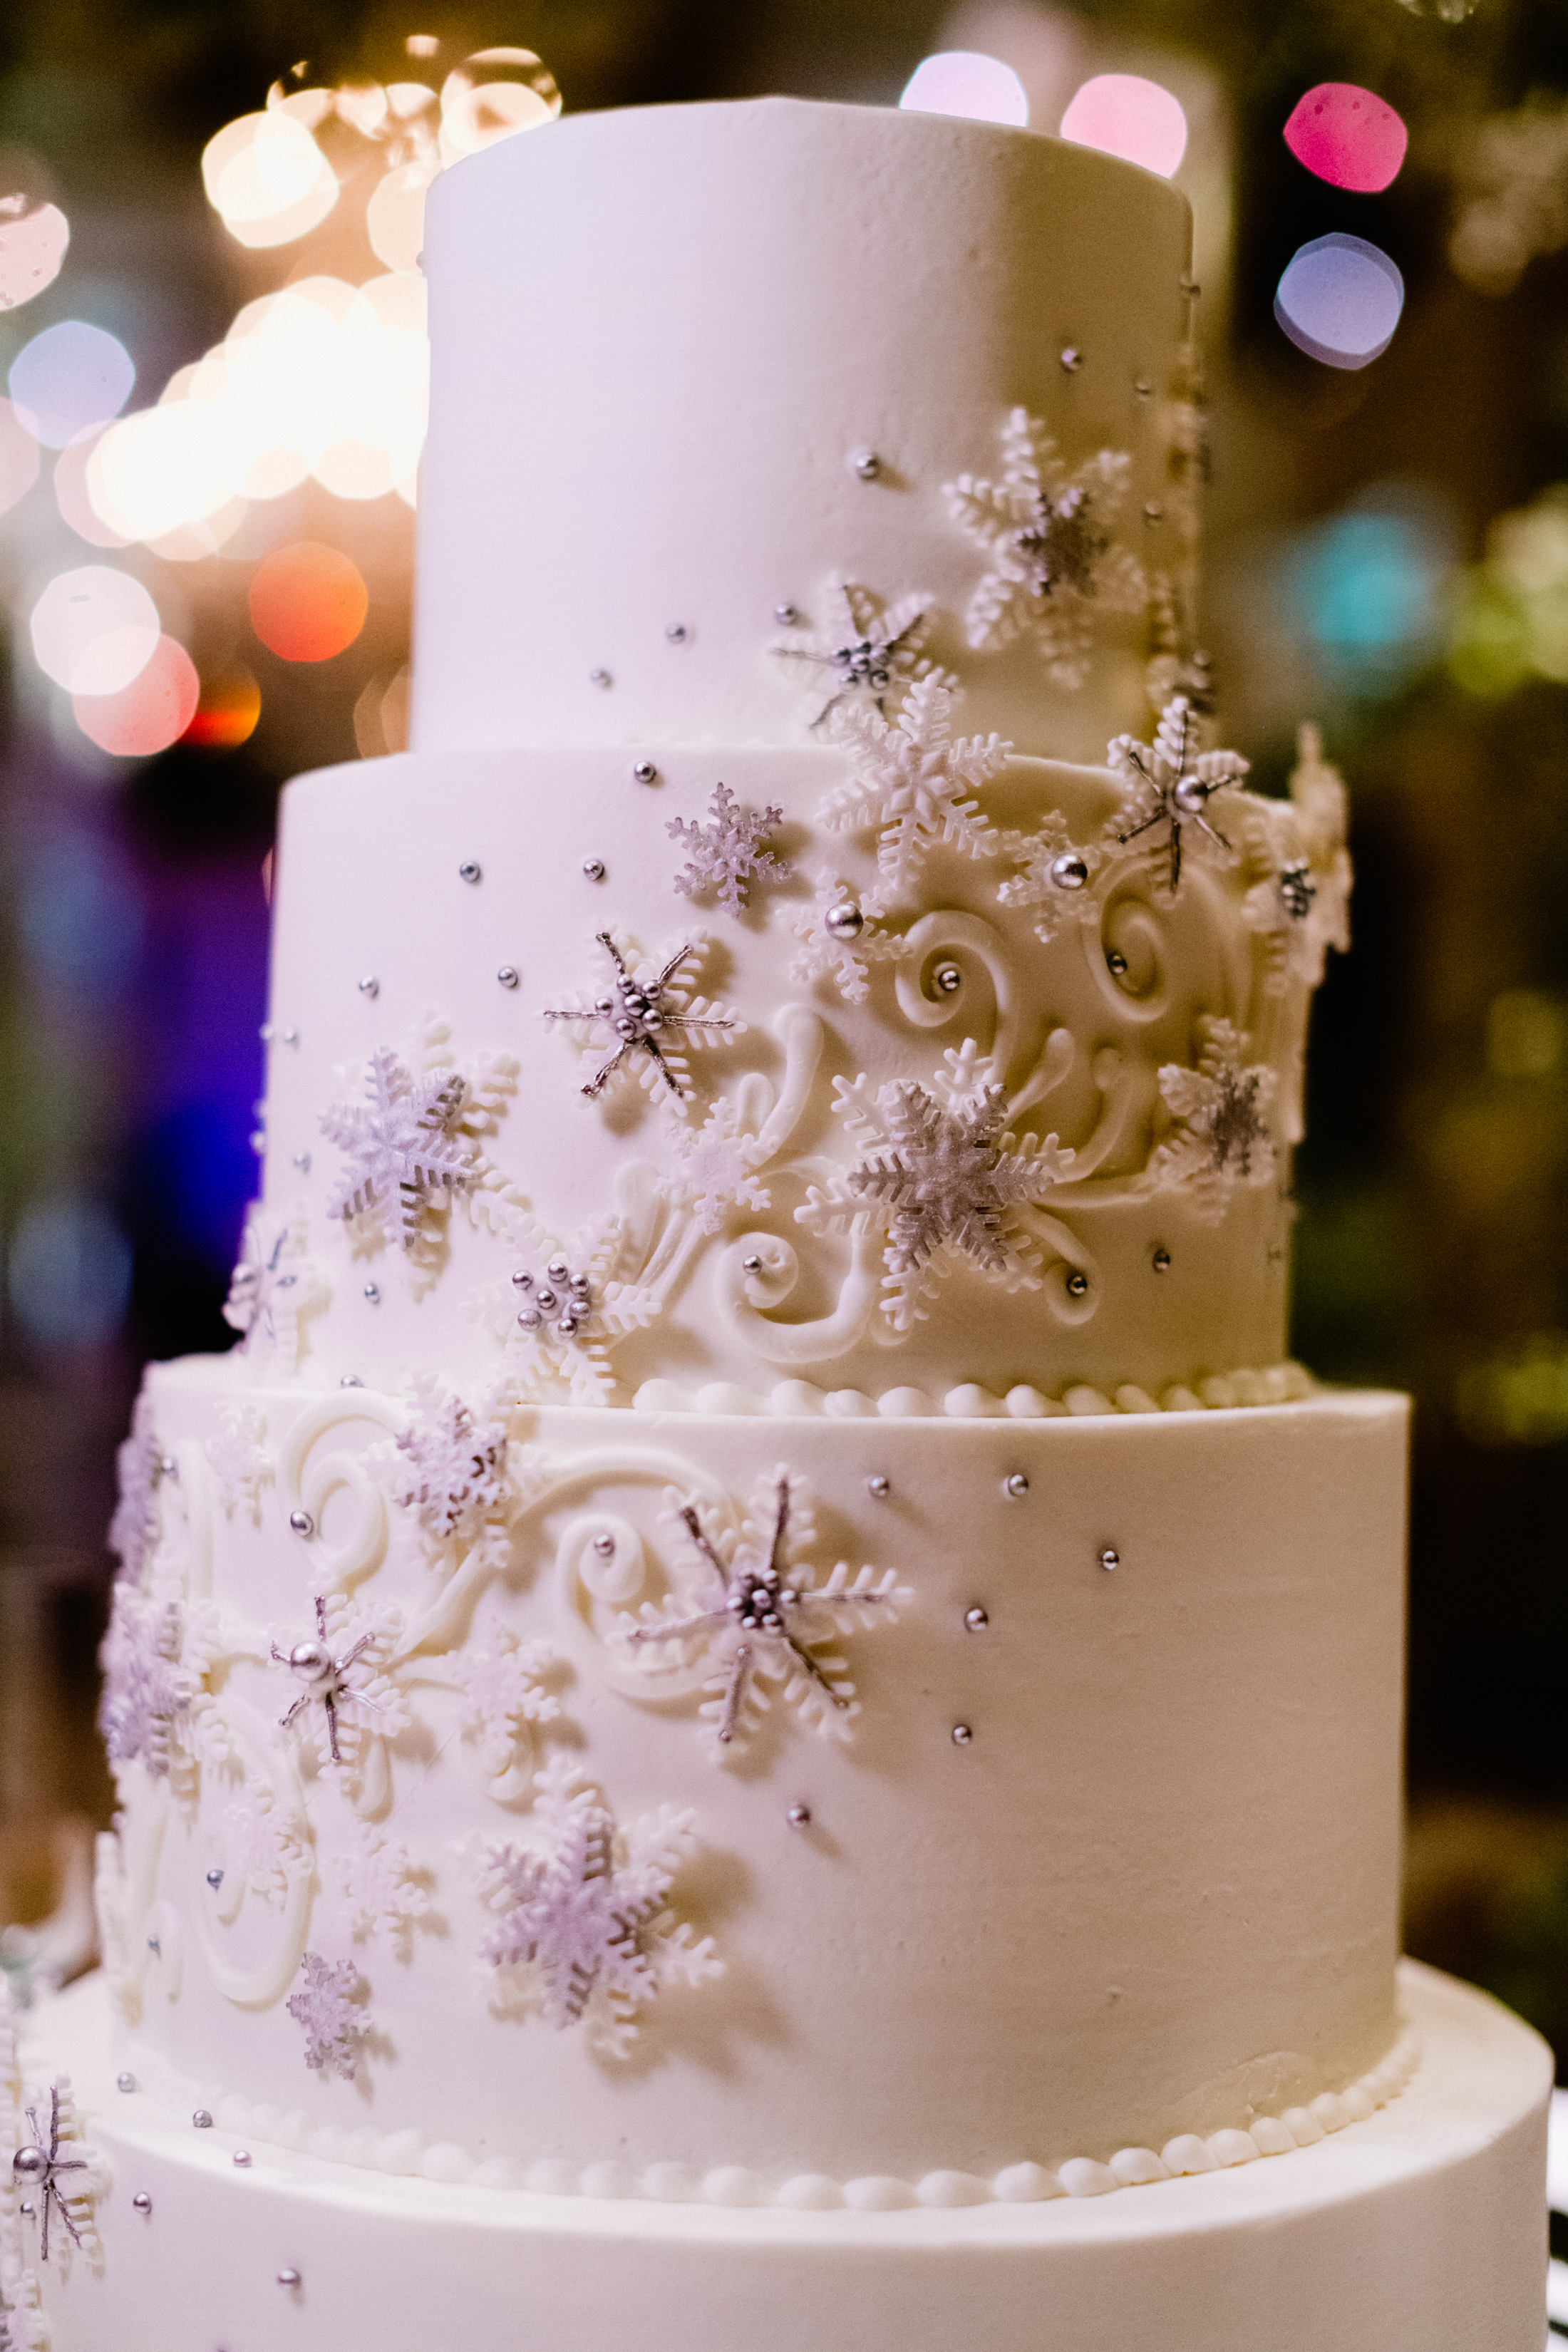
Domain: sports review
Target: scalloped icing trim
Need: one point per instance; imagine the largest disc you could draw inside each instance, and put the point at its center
(1286, 1383)
(409, 2154)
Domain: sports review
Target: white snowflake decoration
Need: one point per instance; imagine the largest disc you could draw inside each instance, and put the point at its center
(718, 1164)
(54, 2172)
(1302, 905)
(335, 2023)
(942, 1176)
(502, 1682)
(1170, 782)
(1176, 665)
(345, 1698)
(240, 1461)
(386, 1895)
(646, 1020)
(265, 1843)
(23, 2325)
(871, 650)
(913, 779)
(727, 854)
(1053, 561)
(454, 1475)
(583, 1928)
(1056, 877)
(402, 1146)
(1222, 1137)
(753, 1613)
(839, 940)
(274, 1285)
(156, 1708)
(139, 1464)
(565, 1310)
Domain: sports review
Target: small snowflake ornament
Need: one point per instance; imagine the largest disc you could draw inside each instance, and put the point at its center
(403, 1147)
(942, 1177)
(582, 1930)
(386, 1895)
(913, 779)
(1054, 563)
(1301, 904)
(727, 854)
(454, 1475)
(265, 1843)
(839, 940)
(44, 2169)
(754, 1614)
(274, 1285)
(23, 2326)
(1222, 1137)
(1170, 782)
(1056, 877)
(502, 1685)
(334, 2022)
(718, 1160)
(139, 1462)
(240, 1461)
(646, 1020)
(870, 650)
(156, 1708)
(340, 1667)
(565, 1311)
(1176, 665)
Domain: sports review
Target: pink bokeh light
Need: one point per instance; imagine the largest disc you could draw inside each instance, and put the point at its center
(1124, 115)
(149, 714)
(1348, 136)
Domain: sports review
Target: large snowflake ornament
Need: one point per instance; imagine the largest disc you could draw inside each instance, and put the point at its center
(403, 1147)
(870, 650)
(335, 2021)
(385, 1893)
(646, 1020)
(838, 940)
(345, 1696)
(583, 1930)
(1171, 782)
(43, 2166)
(1300, 905)
(156, 1708)
(453, 1474)
(1053, 563)
(1056, 877)
(566, 1309)
(729, 852)
(502, 1682)
(1222, 1137)
(754, 1614)
(139, 1464)
(944, 1178)
(274, 1285)
(265, 1842)
(914, 780)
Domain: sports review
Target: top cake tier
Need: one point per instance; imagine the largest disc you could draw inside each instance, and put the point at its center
(699, 371)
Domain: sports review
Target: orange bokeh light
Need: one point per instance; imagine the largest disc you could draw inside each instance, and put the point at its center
(308, 601)
(227, 713)
(149, 714)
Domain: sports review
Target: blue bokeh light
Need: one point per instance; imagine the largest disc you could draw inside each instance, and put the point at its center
(68, 1273)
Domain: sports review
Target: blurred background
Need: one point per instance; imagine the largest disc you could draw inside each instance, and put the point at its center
(211, 339)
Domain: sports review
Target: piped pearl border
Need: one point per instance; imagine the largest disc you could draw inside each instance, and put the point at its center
(409, 2154)
(1286, 1383)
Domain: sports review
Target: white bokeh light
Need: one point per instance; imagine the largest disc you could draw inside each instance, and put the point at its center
(964, 82)
(94, 629)
(1123, 114)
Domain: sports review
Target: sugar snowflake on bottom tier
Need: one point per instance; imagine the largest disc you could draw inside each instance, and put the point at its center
(1171, 782)
(727, 854)
(583, 1930)
(718, 1164)
(502, 1682)
(335, 2024)
(386, 1896)
(1222, 1137)
(839, 940)
(755, 1616)
(1056, 877)
(43, 2166)
(1302, 905)
(454, 1474)
(915, 779)
(264, 1842)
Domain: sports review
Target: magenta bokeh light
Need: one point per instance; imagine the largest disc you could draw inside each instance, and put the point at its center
(1348, 136)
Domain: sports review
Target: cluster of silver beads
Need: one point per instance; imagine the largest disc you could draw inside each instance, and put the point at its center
(562, 1294)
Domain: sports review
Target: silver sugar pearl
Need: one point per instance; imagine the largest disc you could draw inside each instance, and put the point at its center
(1109, 1558)
(644, 772)
(167, 1466)
(370, 985)
(1143, 387)
(799, 1817)
(1190, 794)
(302, 1163)
(787, 616)
(865, 465)
(125, 2082)
(202, 2119)
(530, 1319)
(600, 677)
(242, 2158)
(975, 1621)
(470, 870)
(751, 1264)
(506, 975)
(523, 1281)
(312, 1660)
(290, 1037)
(290, 2277)
(1071, 360)
(961, 1735)
(26, 2209)
(1078, 1284)
(301, 1523)
(349, 1380)
(1016, 1485)
(29, 2165)
(844, 921)
(1152, 514)
(214, 1879)
(1116, 962)
(677, 632)
(1160, 1261)
(594, 867)
(1070, 871)
(947, 978)
(605, 1546)
(142, 2203)
(879, 1486)
(156, 1947)
(372, 1292)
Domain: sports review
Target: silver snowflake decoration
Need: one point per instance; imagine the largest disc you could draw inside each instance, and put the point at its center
(942, 1177)
(403, 1147)
(340, 1669)
(454, 1474)
(838, 940)
(1170, 783)
(334, 2022)
(275, 1283)
(139, 1464)
(914, 778)
(646, 1020)
(583, 1928)
(1054, 561)
(39, 2172)
(870, 650)
(567, 1309)
(757, 1616)
(727, 854)
(1056, 877)
(1222, 1136)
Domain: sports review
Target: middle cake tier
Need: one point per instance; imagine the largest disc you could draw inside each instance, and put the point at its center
(899, 1072)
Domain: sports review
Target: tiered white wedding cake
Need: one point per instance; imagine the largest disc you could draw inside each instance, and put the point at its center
(757, 1709)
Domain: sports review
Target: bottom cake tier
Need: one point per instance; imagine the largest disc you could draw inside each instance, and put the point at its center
(1421, 2229)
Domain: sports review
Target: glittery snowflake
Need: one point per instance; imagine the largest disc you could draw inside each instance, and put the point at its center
(133, 1530)
(453, 1476)
(1056, 877)
(1170, 783)
(1222, 1137)
(912, 778)
(644, 1020)
(565, 1310)
(750, 1608)
(718, 1164)
(502, 1684)
(334, 2022)
(274, 1285)
(155, 1709)
(264, 1842)
(582, 1930)
(870, 650)
(1300, 905)
(1053, 561)
(386, 1896)
(727, 854)
(942, 1176)
(345, 1698)
(403, 1147)
(241, 1463)
(839, 940)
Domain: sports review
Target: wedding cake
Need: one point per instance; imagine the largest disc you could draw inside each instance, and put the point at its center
(758, 1707)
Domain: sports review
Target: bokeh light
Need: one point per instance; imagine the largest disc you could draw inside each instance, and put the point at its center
(148, 715)
(1124, 115)
(492, 95)
(94, 629)
(1366, 584)
(1348, 136)
(70, 379)
(226, 714)
(308, 601)
(1509, 619)
(1339, 301)
(68, 1273)
(395, 217)
(964, 82)
(19, 458)
(32, 247)
(266, 176)
(76, 506)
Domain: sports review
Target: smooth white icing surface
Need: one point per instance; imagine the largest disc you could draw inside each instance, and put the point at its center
(1415, 2229)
